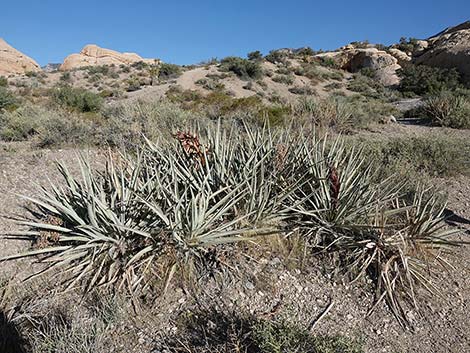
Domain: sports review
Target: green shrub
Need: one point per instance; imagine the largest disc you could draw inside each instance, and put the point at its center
(7, 100)
(243, 68)
(366, 85)
(139, 65)
(407, 45)
(447, 109)
(423, 80)
(49, 127)
(168, 71)
(332, 113)
(3, 81)
(307, 51)
(98, 69)
(277, 56)
(78, 99)
(417, 158)
(231, 332)
(133, 84)
(285, 79)
(255, 56)
(302, 90)
(18, 125)
(66, 77)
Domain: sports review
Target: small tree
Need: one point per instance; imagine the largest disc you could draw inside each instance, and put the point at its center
(154, 72)
(255, 55)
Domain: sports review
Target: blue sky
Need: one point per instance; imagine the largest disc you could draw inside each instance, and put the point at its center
(187, 32)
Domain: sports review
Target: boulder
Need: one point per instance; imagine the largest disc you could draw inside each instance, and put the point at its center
(353, 60)
(401, 56)
(13, 61)
(93, 55)
(449, 49)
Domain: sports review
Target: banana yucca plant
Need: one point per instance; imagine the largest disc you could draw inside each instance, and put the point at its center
(178, 202)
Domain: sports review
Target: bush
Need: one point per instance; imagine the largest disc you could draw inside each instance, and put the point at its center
(66, 77)
(7, 100)
(49, 127)
(3, 81)
(78, 99)
(423, 80)
(255, 56)
(417, 158)
(243, 68)
(168, 71)
(285, 79)
(447, 109)
(213, 331)
(332, 113)
(133, 84)
(302, 90)
(277, 57)
(18, 125)
(98, 69)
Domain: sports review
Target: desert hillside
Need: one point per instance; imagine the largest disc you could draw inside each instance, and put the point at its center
(290, 201)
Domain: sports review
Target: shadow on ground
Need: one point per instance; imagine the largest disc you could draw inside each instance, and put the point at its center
(11, 340)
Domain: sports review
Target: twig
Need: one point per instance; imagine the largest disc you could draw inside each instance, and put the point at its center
(321, 316)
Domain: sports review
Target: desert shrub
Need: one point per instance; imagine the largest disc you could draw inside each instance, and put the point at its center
(243, 68)
(414, 158)
(407, 45)
(49, 127)
(423, 80)
(366, 110)
(234, 332)
(78, 99)
(285, 79)
(18, 125)
(139, 65)
(7, 100)
(98, 69)
(255, 56)
(66, 77)
(168, 71)
(3, 81)
(328, 62)
(273, 115)
(447, 109)
(125, 125)
(133, 84)
(277, 56)
(332, 113)
(307, 51)
(366, 85)
(361, 44)
(302, 90)
(210, 84)
(334, 86)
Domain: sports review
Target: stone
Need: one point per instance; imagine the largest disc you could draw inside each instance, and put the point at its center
(449, 49)
(93, 55)
(13, 61)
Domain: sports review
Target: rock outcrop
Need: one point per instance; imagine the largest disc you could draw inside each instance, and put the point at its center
(354, 59)
(402, 57)
(13, 61)
(449, 49)
(92, 55)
